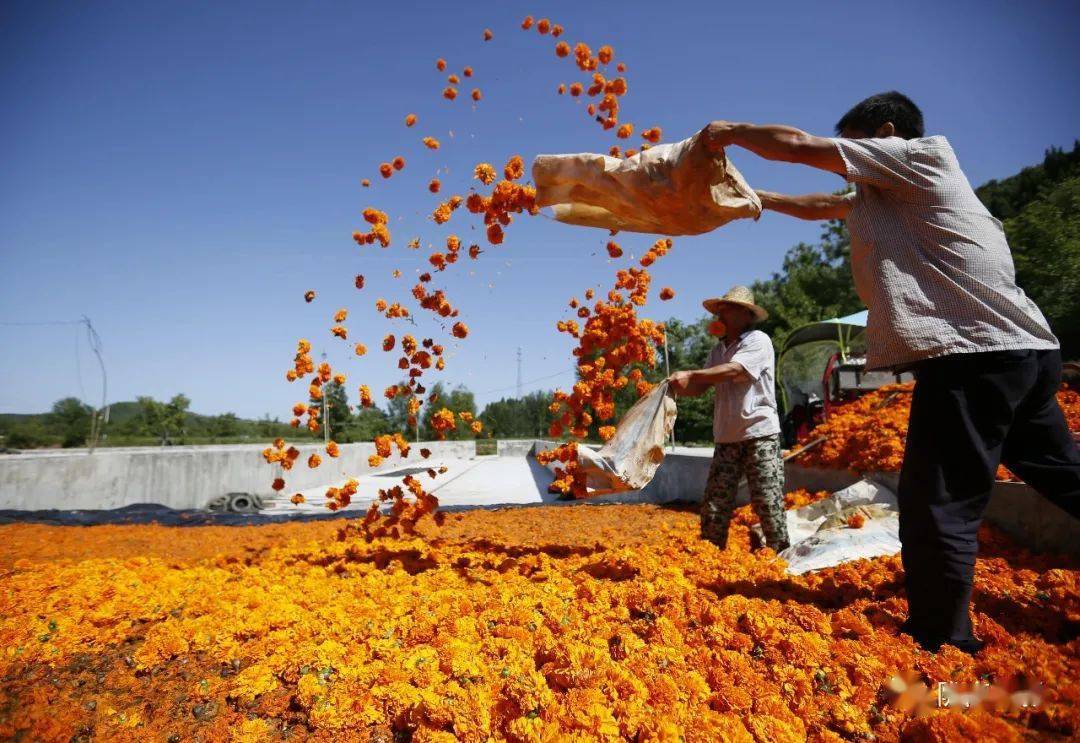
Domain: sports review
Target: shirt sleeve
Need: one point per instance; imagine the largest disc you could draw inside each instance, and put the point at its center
(883, 163)
(755, 355)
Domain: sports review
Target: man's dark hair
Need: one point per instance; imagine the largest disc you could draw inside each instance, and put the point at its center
(867, 116)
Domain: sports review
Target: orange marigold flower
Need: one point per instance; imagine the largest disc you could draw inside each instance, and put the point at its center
(474, 251)
(380, 304)
(652, 135)
(398, 163)
(365, 182)
(365, 396)
(453, 79)
(614, 250)
(460, 330)
(339, 379)
(440, 64)
(606, 432)
(527, 23)
(374, 460)
(386, 169)
(667, 293)
(494, 234)
(484, 173)
(309, 295)
(584, 58)
(449, 93)
(410, 119)
(562, 49)
(515, 168)
(476, 95)
(434, 185)
(340, 315)
(543, 25)
(575, 89)
(467, 72)
(278, 484)
(562, 88)
(332, 449)
(297, 499)
(621, 67)
(556, 30)
(340, 332)
(488, 36)
(388, 342)
(359, 281)
(625, 131)
(431, 143)
(425, 453)
(314, 460)
(856, 520)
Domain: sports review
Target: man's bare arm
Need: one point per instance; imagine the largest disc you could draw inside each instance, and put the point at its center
(776, 142)
(815, 206)
(698, 381)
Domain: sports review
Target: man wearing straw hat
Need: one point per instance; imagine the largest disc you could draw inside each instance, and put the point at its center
(746, 428)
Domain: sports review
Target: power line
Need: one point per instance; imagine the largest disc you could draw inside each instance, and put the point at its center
(531, 381)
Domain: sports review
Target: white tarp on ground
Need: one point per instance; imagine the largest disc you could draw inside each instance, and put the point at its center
(671, 189)
(820, 537)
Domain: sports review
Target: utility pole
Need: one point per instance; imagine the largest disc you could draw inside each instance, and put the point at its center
(519, 391)
(325, 412)
(667, 373)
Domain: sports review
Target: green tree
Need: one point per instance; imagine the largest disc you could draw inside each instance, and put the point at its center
(459, 400)
(224, 426)
(369, 423)
(164, 421)
(70, 421)
(1045, 240)
(337, 410)
(814, 284)
(524, 417)
(397, 418)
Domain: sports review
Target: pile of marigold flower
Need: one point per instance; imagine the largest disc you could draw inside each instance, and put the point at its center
(583, 623)
(868, 434)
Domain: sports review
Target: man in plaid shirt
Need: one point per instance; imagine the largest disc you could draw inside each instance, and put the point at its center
(935, 270)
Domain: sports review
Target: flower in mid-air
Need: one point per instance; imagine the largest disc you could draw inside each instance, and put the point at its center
(309, 295)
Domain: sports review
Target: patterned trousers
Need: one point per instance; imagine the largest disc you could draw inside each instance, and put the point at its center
(759, 459)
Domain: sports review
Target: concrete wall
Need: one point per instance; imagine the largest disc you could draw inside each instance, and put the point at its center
(178, 477)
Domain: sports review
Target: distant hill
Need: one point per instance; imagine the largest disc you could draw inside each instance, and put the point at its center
(1008, 197)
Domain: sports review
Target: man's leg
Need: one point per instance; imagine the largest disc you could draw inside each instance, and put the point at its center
(1039, 448)
(718, 501)
(961, 411)
(765, 477)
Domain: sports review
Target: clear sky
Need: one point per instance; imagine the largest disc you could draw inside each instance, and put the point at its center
(181, 172)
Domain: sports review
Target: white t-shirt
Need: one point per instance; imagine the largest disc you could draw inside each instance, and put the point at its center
(746, 409)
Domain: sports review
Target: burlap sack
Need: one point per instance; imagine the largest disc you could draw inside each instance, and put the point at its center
(670, 189)
(629, 459)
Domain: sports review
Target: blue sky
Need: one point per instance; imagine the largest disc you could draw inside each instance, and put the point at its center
(182, 172)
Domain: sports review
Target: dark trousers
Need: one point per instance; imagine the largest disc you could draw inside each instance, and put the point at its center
(968, 413)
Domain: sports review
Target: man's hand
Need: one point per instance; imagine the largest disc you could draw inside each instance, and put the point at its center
(680, 382)
(718, 135)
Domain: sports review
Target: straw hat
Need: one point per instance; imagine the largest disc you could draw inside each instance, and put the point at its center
(739, 295)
